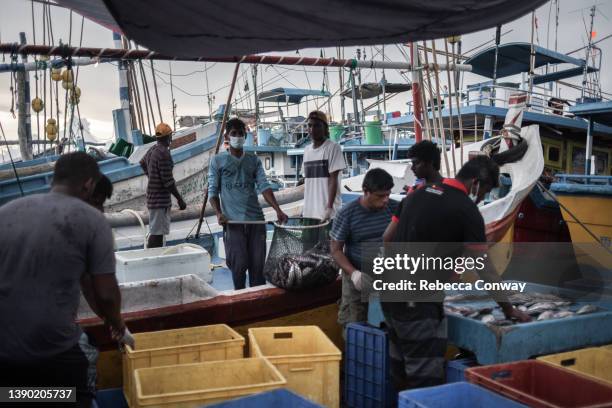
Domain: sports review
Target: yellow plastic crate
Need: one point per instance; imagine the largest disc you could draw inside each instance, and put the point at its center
(194, 385)
(305, 356)
(180, 346)
(592, 362)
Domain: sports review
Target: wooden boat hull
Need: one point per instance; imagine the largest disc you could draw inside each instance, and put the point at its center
(241, 310)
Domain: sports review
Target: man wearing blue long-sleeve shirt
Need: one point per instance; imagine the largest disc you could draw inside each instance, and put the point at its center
(235, 178)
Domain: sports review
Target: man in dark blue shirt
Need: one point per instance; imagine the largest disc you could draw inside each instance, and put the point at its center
(360, 222)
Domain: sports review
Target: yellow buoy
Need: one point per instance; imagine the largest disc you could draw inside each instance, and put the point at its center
(51, 129)
(37, 105)
(67, 85)
(67, 75)
(76, 91)
(56, 74)
(454, 39)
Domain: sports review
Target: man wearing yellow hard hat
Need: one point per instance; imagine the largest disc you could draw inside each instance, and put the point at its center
(157, 164)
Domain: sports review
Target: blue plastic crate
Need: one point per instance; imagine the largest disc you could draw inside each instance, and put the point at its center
(110, 398)
(456, 395)
(271, 399)
(455, 369)
(367, 379)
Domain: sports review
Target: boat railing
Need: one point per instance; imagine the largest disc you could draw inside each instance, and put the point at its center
(537, 101)
(583, 179)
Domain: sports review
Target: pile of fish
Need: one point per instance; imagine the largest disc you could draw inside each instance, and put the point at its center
(540, 306)
(314, 268)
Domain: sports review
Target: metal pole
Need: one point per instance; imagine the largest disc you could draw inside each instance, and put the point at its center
(172, 96)
(24, 118)
(531, 56)
(354, 97)
(416, 91)
(588, 166)
(588, 54)
(254, 72)
(497, 40)
(125, 54)
(341, 83)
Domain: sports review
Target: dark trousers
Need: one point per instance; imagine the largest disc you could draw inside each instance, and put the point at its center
(245, 249)
(71, 368)
(417, 334)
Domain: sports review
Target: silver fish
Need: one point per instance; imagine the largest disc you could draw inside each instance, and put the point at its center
(563, 314)
(541, 307)
(562, 303)
(587, 309)
(549, 314)
(488, 319)
(522, 308)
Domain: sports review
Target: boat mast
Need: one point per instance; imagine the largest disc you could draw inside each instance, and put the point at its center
(255, 99)
(24, 131)
(122, 116)
(416, 93)
(341, 81)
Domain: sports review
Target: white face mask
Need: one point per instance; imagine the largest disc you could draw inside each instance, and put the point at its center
(474, 195)
(237, 142)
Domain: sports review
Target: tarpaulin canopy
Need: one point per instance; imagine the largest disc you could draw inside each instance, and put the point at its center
(237, 27)
(373, 89)
(289, 95)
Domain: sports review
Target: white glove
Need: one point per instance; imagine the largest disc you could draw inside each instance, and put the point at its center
(328, 214)
(356, 279)
(126, 339)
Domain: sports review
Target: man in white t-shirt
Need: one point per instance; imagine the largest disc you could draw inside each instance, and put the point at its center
(323, 163)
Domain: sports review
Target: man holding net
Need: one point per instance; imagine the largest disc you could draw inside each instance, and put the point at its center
(235, 178)
(360, 222)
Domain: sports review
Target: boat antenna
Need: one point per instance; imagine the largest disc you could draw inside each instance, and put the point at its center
(8, 149)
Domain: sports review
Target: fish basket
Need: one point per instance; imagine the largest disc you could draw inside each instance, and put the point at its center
(179, 346)
(299, 255)
(541, 385)
(594, 362)
(200, 384)
(305, 356)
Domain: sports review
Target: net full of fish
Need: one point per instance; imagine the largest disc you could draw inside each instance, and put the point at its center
(314, 268)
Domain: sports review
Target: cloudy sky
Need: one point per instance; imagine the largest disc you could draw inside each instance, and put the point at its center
(99, 84)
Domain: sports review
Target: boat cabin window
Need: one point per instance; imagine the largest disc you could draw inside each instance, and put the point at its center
(267, 163)
(602, 164)
(554, 154)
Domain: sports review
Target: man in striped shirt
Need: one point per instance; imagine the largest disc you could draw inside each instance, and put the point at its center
(360, 222)
(157, 164)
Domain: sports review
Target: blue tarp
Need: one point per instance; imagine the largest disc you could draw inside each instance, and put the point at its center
(289, 95)
(600, 112)
(514, 58)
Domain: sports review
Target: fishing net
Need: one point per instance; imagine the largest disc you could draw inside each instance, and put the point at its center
(299, 256)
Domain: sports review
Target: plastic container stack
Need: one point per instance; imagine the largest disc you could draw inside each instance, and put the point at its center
(367, 378)
(305, 356)
(180, 346)
(594, 362)
(541, 385)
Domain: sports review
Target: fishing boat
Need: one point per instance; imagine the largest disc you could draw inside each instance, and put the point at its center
(268, 305)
